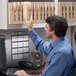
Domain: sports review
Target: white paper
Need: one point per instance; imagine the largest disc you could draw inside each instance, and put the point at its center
(14, 38)
(20, 50)
(20, 44)
(20, 56)
(20, 38)
(14, 51)
(14, 45)
(26, 55)
(25, 43)
(25, 38)
(26, 50)
(14, 57)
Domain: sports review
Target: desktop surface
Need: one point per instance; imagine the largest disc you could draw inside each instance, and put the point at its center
(11, 71)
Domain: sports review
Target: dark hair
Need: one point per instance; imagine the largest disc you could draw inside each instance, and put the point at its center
(59, 24)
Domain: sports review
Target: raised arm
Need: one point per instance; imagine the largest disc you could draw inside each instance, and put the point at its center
(41, 46)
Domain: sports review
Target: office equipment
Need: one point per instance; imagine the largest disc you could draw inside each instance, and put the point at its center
(11, 71)
(37, 58)
(2, 53)
(23, 65)
(27, 65)
(19, 45)
(2, 74)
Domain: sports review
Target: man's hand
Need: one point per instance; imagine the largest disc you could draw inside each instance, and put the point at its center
(20, 73)
(29, 23)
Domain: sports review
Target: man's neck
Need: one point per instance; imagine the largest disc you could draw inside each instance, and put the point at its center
(54, 38)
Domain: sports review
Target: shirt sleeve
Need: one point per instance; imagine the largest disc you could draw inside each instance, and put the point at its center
(55, 66)
(40, 45)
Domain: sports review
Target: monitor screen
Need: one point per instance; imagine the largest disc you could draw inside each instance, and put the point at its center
(2, 53)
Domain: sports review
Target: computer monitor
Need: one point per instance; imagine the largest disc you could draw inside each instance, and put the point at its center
(2, 53)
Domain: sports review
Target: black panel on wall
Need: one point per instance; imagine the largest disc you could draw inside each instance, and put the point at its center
(2, 53)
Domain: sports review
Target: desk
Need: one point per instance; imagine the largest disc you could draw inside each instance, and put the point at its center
(35, 72)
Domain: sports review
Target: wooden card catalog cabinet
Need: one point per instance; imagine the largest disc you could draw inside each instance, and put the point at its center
(67, 10)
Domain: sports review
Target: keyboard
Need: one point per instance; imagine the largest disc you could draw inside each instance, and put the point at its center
(11, 71)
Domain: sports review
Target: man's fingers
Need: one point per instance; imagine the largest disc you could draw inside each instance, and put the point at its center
(31, 18)
(15, 73)
(25, 21)
(20, 73)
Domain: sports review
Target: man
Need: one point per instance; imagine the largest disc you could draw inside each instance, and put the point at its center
(60, 59)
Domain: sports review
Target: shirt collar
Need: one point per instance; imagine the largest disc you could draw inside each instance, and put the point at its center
(53, 44)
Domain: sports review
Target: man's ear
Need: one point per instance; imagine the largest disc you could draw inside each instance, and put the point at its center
(53, 31)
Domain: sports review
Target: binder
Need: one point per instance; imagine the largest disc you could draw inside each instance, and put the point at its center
(41, 13)
(51, 8)
(37, 12)
(25, 10)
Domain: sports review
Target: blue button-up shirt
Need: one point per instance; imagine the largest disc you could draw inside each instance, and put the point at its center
(60, 59)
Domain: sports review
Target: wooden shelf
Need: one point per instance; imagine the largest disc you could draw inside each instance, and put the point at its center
(35, 72)
(35, 25)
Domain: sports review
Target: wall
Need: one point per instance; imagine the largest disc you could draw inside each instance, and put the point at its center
(73, 40)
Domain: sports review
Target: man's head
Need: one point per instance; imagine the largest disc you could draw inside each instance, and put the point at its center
(56, 25)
